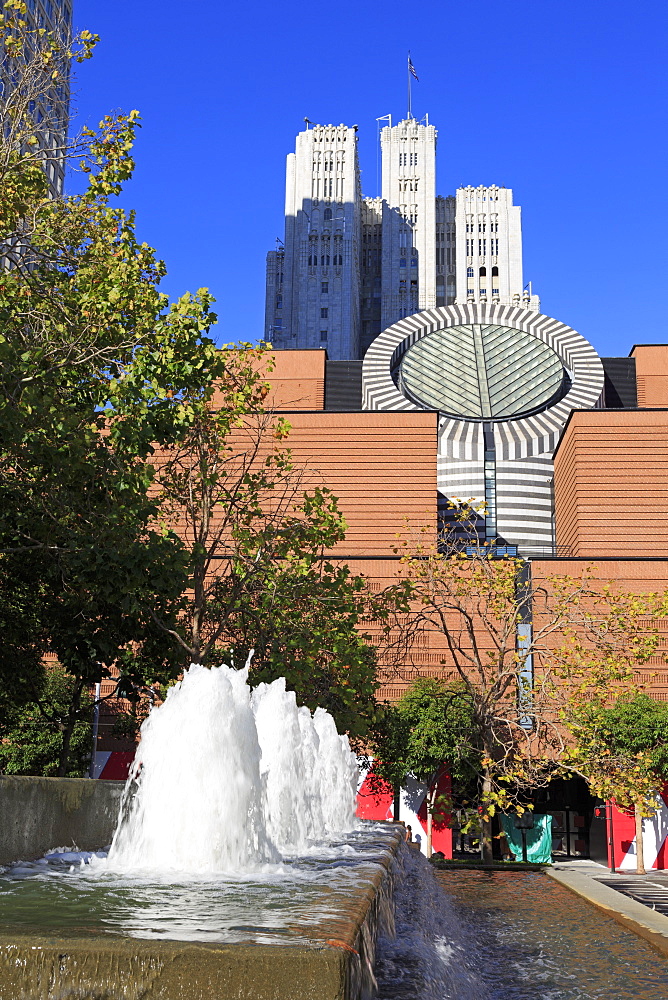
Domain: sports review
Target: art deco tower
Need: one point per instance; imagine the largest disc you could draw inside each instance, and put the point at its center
(409, 219)
(313, 282)
(489, 248)
(350, 267)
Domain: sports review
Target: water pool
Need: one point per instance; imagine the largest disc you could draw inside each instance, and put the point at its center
(298, 901)
(474, 935)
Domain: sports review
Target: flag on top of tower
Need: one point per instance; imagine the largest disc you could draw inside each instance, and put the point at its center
(411, 68)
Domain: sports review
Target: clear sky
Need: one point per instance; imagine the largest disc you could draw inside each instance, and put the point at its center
(562, 100)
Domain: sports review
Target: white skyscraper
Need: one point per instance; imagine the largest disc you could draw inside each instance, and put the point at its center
(351, 267)
(409, 219)
(489, 248)
(313, 283)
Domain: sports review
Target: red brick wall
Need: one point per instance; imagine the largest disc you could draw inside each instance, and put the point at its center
(636, 576)
(611, 483)
(651, 374)
(297, 380)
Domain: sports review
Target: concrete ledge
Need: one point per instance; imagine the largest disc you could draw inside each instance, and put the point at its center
(334, 962)
(103, 968)
(636, 917)
(37, 814)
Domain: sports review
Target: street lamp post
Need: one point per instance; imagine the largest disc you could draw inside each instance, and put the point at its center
(96, 725)
(523, 823)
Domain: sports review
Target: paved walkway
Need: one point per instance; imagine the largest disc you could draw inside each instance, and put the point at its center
(639, 902)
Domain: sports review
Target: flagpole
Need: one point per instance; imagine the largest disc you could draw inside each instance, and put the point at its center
(408, 72)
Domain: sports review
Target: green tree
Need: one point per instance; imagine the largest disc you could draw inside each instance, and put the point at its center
(256, 528)
(36, 66)
(30, 743)
(304, 618)
(142, 505)
(432, 726)
(521, 648)
(96, 368)
(621, 749)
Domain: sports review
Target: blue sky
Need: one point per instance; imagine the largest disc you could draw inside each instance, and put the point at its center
(565, 102)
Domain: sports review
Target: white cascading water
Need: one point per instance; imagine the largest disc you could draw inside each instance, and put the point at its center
(227, 779)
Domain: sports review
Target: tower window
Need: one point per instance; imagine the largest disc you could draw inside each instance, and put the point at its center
(324, 287)
(495, 291)
(402, 262)
(324, 313)
(469, 272)
(323, 334)
(327, 215)
(483, 272)
(495, 272)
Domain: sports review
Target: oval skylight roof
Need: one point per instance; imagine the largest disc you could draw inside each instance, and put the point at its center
(482, 373)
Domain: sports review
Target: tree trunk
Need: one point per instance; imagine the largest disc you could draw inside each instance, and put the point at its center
(197, 616)
(640, 848)
(396, 804)
(68, 728)
(486, 822)
(63, 762)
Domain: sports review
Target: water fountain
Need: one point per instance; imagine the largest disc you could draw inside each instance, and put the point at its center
(227, 779)
(238, 870)
(237, 867)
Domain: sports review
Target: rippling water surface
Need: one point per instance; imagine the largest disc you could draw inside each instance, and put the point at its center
(76, 895)
(509, 936)
(462, 935)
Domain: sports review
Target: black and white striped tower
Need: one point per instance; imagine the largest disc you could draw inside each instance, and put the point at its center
(505, 380)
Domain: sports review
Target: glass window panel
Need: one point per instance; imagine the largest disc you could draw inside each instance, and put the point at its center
(514, 374)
